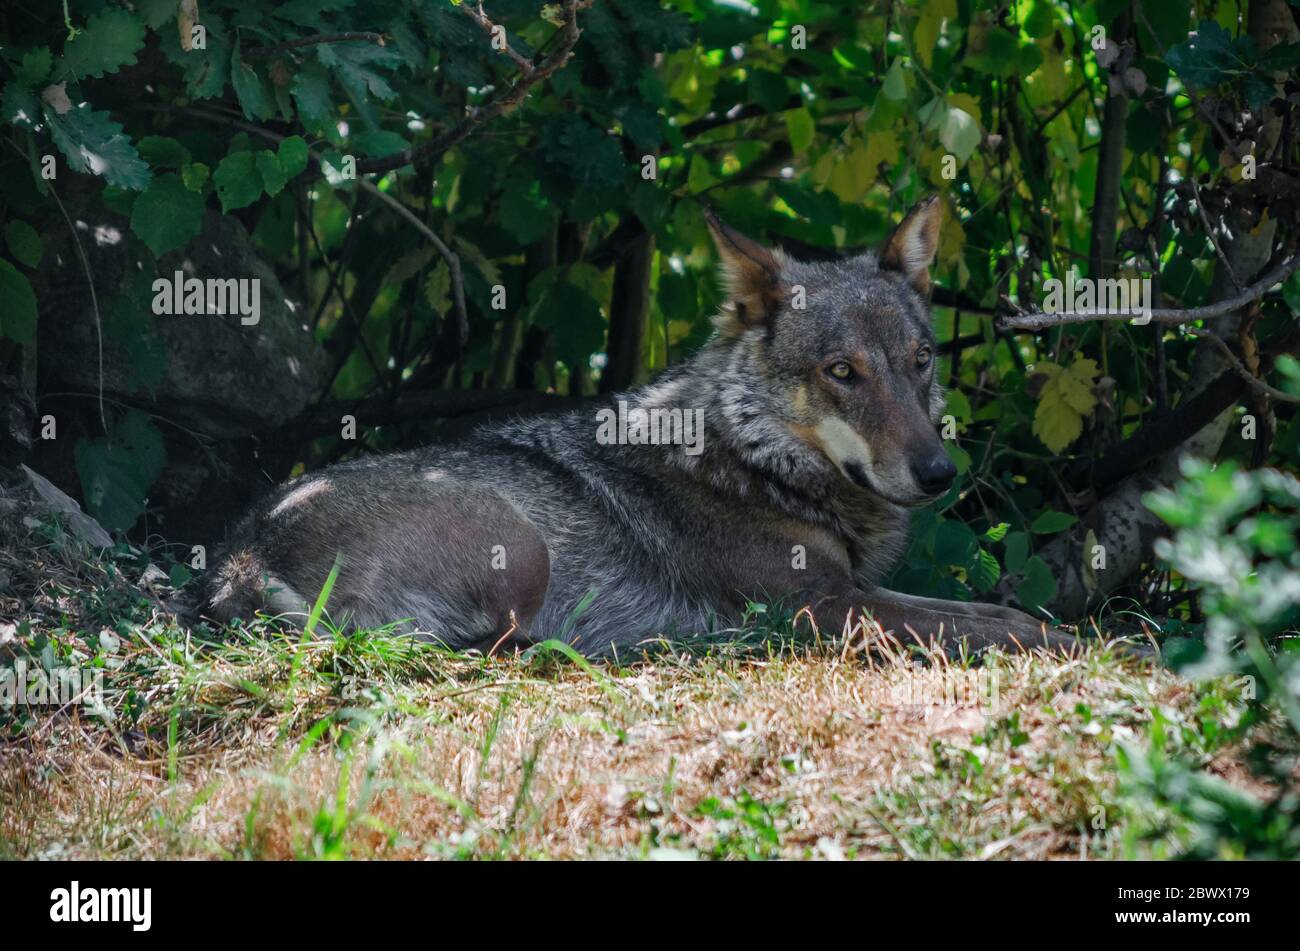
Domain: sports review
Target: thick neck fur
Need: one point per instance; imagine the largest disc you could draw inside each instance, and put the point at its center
(749, 450)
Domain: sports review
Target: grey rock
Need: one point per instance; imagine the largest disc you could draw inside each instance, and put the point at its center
(213, 372)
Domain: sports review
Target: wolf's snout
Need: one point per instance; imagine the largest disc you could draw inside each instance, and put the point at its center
(934, 474)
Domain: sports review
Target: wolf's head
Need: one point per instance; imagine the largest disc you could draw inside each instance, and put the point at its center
(847, 351)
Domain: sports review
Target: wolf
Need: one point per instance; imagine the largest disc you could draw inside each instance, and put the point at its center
(819, 399)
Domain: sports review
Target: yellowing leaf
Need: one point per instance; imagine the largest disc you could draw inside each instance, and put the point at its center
(951, 238)
(1076, 385)
(881, 147)
(1049, 83)
(856, 171)
(926, 34)
(1055, 422)
(437, 288)
(1065, 400)
(851, 175)
(799, 123)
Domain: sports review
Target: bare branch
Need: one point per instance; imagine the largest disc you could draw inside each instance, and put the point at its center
(475, 13)
(568, 33)
(1038, 320)
(1254, 382)
(1209, 233)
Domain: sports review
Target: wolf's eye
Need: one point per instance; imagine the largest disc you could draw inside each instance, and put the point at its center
(923, 357)
(841, 371)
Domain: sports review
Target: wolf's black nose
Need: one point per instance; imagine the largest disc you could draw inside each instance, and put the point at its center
(934, 474)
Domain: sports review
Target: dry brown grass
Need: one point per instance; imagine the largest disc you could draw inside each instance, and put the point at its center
(800, 753)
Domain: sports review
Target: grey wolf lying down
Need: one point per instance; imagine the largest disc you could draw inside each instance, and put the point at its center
(818, 397)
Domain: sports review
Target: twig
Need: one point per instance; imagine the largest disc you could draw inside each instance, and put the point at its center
(1254, 382)
(1209, 233)
(257, 52)
(569, 34)
(94, 303)
(476, 14)
(1039, 319)
(453, 261)
(90, 279)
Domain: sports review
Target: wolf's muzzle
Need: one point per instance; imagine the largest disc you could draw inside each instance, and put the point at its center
(935, 474)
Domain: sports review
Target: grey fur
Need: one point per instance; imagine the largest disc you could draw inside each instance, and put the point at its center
(669, 543)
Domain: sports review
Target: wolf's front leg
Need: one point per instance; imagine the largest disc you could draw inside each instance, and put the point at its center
(953, 625)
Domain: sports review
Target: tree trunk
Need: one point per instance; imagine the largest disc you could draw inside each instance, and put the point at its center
(629, 316)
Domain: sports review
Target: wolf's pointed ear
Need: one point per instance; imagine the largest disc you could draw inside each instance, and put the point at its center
(752, 274)
(910, 249)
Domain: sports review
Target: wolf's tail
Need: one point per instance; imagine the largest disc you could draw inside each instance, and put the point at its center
(240, 586)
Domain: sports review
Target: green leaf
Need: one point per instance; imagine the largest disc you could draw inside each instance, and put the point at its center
(19, 106)
(17, 306)
(1285, 57)
(1016, 551)
(997, 532)
(954, 543)
(581, 153)
(94, 144)
(272, 172)
(35, 66)
(162, 152)
(354, 61)
(1169, 19)
(167, 215)
(107, 42)
(983, 571)
(24, 243)
(801, 128)
(178, 576)
(293, 156)
(117, 472)
(311, 91)
(523, 212)
(254, 96)
(208, 72)
(894, 87)
(1038, 587)
(238, 181)
(118, 200)
(1211, 56)
(1041, 19)
(574, 320)
(999, 55)
(700, 178)
(195, 175)
(1050, 522)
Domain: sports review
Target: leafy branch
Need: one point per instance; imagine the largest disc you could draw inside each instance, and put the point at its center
(534, 74)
